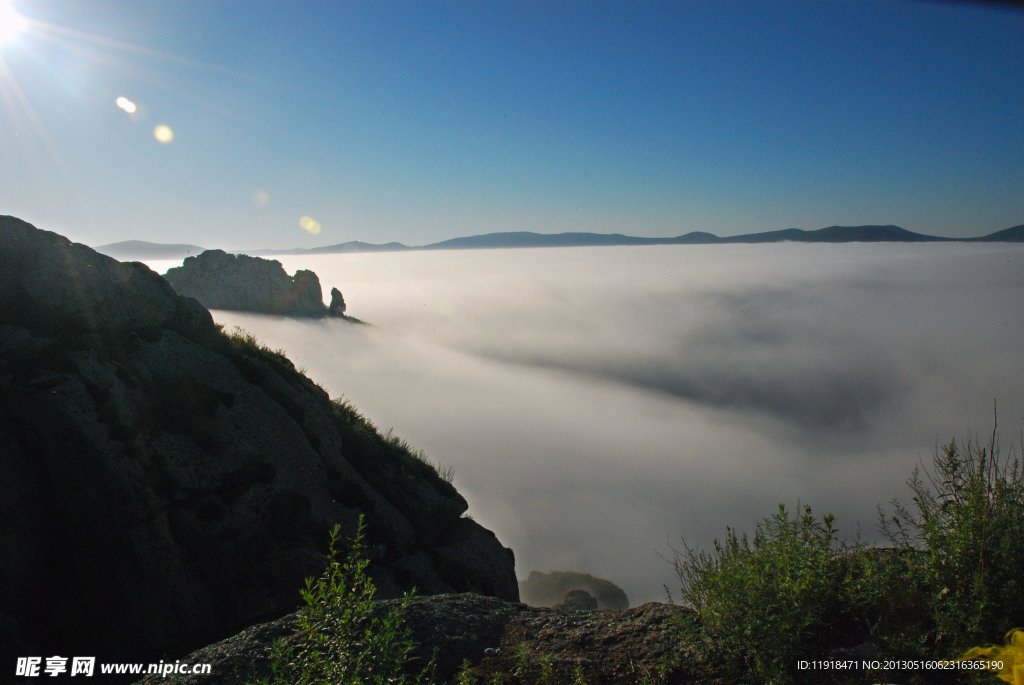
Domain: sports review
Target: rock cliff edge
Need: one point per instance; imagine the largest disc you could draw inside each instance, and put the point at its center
(163, 485)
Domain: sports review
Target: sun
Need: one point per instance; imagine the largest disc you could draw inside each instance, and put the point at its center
(11, 23)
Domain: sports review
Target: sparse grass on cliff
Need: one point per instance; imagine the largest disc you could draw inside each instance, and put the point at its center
(244, 341)
(366, 443)
(362, 437)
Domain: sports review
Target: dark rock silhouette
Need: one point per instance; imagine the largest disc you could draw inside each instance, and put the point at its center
(550, 589)
(163, 485)
(225, 281)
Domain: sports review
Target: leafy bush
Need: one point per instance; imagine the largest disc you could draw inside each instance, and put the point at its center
(761, 606)
(950, 581)
(340, 641)
(965, 538)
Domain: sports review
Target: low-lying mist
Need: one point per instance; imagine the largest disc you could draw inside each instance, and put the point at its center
(598, 404)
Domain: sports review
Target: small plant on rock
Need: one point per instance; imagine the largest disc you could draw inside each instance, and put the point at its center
(341, 641)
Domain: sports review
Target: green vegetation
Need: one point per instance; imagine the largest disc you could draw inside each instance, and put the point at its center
(950, 581)
(521, 664)
(763, 605)
(340, 641)
(968, 524)
(243, 341)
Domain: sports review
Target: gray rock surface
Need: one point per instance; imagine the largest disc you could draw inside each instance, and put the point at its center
(163, 485)
(610, 647)
(219, 280)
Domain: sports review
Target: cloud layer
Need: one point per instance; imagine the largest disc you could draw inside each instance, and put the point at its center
(597, 404)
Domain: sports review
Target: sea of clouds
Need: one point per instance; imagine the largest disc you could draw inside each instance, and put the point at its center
(600, 404)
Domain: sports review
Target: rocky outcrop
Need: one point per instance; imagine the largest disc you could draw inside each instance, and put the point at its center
(163, 485)
(550, 589)
(226, 281)
(608, 647)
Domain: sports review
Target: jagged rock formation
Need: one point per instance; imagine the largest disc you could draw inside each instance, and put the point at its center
(550, 589)
(226, 281)
(163, 485)
(610, 647)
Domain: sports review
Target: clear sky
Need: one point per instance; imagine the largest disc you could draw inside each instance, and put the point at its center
(421, 121)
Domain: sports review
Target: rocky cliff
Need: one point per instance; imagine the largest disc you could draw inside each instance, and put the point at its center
(226, 281)
(163, 485)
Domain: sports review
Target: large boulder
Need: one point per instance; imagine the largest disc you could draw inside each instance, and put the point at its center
(163, 485)
(219, 280)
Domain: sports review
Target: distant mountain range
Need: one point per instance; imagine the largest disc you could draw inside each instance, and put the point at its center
(137, 249)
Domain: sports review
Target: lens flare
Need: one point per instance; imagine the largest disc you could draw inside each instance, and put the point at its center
(261, 197)
(126, 104)
(309, 225)
(1010, 657)
(164, 134)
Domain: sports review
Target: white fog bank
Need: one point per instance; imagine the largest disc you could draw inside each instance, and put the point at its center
(599, 403)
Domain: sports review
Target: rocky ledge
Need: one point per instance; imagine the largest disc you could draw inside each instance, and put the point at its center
(496, 637)
(219, 280)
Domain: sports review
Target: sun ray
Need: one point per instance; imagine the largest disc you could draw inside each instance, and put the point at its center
(14, 98)
(93, 49)
(56, 32)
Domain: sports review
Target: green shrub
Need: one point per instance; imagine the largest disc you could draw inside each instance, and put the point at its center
(340, 641)
(965, 540)
(950, 581)
(761, 606)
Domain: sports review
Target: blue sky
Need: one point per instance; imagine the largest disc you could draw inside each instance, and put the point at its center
(419, 122)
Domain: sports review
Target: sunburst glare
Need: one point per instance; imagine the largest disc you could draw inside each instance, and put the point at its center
(11, 23)
(54, 58)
